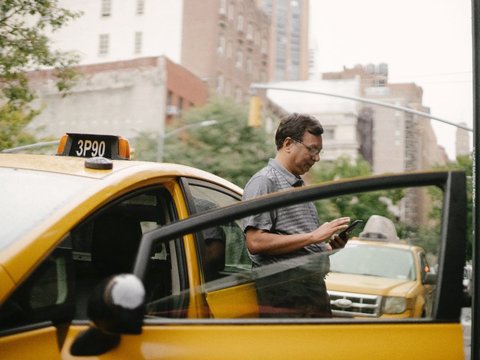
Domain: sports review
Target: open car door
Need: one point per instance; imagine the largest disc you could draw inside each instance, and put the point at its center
(436, 198)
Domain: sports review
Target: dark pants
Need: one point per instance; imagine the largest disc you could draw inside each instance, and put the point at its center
(294, 293)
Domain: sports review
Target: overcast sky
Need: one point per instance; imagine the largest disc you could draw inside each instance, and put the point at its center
(423, 41)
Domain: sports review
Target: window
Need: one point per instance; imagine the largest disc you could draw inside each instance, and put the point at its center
(138, 42)
(223, 7)
(240, 23)
(220, 84)
(249, 66)
(239, 60)
(221, 45)
(231, 12)
(395, 230)
(229, 49)
(104, 44)
(250, 31)
(180, 104)
(140, 10)
(103, 245)
(106, 8)
(264, 47)
(222, 248)
(118, 229)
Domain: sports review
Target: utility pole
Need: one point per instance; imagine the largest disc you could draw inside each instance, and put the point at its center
(359, 99)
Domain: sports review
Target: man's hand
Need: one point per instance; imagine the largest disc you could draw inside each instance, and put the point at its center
(337, 243)
(325, 231)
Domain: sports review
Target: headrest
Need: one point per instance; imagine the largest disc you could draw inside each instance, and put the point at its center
(115, 242)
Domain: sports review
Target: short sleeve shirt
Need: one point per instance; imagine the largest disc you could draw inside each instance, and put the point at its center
(295, 219)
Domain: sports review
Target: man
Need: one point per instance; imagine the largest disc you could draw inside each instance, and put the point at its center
(288, 234)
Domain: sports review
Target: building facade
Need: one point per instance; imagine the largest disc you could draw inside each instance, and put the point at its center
(289, 53)
(226, 43)
(223, 42)
(399, 139)
(394, 140)
(118, 30)
(124, 98)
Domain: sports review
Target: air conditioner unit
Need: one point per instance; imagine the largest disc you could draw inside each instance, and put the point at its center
(172, 110)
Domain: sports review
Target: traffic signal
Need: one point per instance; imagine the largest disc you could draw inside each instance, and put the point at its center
(254, 113)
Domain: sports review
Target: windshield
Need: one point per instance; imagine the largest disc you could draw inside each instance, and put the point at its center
(29, 197)
(374, 261)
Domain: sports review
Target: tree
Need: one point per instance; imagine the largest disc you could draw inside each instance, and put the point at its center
(465, 163)
(25, 46)
(229, 148)
(357, 206)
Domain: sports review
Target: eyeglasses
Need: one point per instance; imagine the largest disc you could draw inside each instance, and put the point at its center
(311, 150)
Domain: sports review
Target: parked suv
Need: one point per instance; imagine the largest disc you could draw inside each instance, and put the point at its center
(377, 275)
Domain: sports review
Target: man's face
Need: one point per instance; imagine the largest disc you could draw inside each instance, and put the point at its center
(305, 153)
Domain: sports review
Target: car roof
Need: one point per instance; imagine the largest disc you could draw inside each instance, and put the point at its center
(76, 166)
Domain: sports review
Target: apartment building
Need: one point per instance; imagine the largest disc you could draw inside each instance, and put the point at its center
(289, 53)
(226, 43)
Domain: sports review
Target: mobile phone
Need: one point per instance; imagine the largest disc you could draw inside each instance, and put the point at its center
(344, 234)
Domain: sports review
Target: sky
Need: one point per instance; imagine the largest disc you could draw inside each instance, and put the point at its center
(427, 42)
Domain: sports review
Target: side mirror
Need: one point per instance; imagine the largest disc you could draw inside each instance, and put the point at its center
(116, 307)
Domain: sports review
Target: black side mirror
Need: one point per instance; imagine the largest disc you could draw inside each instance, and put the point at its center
(116, 307)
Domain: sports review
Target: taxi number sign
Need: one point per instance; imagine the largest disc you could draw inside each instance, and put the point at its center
(83, 145)
(89, 148)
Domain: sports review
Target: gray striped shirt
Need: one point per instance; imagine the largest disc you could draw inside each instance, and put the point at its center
(295, 219)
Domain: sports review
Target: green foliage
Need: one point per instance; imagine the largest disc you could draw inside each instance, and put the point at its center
(12, 122)
(358, 206)
(465, 163)
(228, 148)
(24, 44)
(364, 205)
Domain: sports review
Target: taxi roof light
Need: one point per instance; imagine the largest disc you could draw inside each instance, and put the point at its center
(62, 144)
(123, 148)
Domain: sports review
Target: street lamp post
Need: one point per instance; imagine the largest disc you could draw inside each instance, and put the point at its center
(359, 99)
(162, 137)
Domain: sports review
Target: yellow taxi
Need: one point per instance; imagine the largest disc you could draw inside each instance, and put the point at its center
(399, 284)
(111, 258)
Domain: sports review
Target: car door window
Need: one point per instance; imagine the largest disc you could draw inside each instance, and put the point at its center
(222, 248)
(374, 277)
(106, 244)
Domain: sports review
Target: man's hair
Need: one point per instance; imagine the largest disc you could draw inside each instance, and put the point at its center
(294, 126)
